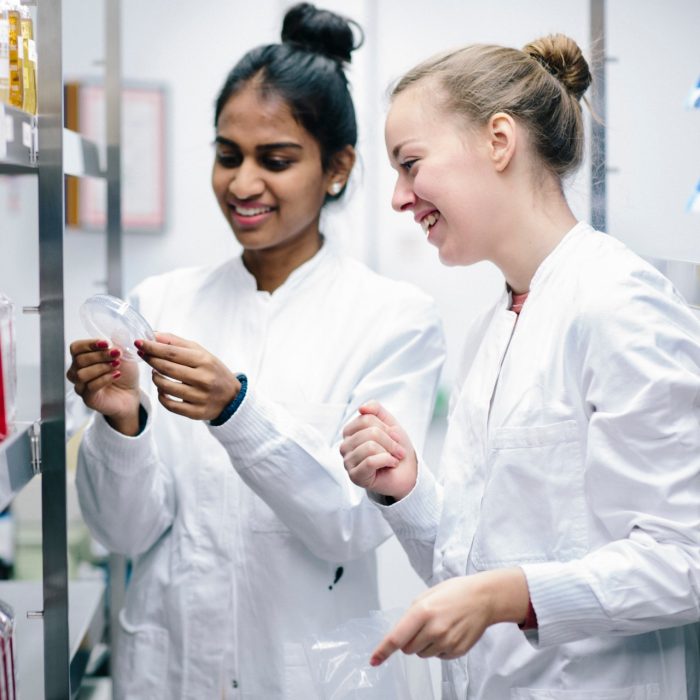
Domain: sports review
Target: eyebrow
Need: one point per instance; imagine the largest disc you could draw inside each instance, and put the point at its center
(265, 147)
(398, 147)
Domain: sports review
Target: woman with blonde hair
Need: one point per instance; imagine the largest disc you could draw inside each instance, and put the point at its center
(563, 540)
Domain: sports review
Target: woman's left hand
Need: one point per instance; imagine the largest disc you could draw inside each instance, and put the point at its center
(191, 381)
(449, 618)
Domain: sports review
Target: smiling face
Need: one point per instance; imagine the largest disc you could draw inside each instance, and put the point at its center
(267, 174)
(446, 177)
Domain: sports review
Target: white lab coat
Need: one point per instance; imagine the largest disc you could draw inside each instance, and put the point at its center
(573, 451)
(237, 533)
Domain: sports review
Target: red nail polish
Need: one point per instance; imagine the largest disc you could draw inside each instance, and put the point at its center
(116, 375)
(141, 353)
(115, 363)
(114, 353)
(101, 345)
(138, 343)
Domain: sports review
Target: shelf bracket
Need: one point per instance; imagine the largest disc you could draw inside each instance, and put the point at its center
(35, 443)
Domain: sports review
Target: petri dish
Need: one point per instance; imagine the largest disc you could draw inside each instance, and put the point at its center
(116, 321)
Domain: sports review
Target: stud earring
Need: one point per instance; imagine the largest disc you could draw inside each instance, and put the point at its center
(336, 187)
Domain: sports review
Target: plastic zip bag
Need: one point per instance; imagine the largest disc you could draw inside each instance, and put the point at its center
(339, 664)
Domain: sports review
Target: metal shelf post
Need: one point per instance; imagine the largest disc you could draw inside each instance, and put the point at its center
(598, 146)
(51, 292)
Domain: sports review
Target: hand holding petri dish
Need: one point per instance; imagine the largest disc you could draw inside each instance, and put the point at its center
(116, 321)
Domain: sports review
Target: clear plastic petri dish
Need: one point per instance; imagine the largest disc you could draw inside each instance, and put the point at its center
(114, 320)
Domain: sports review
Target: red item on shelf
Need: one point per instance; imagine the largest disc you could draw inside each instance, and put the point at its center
(3, 413)
(8, 377)
(8, 667)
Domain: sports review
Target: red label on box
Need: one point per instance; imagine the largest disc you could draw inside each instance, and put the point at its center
(3, 410)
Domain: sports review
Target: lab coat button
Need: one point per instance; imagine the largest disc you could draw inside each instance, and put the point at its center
(234, 683)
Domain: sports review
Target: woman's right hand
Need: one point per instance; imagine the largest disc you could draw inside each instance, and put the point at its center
(106, 382)
(378, 454)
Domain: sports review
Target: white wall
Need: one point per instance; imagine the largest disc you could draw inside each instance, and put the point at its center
(654, 141)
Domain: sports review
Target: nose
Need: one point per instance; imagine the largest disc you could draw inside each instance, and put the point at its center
(403, 198)
(246, 181)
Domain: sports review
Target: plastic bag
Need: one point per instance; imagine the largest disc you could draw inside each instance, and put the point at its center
(339, 664)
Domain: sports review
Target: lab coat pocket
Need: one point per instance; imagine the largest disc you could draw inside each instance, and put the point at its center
(323, 421)
(533, 507)
(649, 691)
(262, 517)
(141, 662)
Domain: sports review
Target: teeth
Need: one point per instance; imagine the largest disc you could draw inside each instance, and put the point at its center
(428, 221)
(251, 212)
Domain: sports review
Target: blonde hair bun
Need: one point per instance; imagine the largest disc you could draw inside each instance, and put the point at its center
(562, 57)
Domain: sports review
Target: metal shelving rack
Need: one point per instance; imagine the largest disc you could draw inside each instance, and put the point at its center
(72, 614)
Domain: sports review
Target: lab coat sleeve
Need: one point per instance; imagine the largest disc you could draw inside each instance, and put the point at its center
(640, 378)
(415, 519)
(302, 477)
(125, 493)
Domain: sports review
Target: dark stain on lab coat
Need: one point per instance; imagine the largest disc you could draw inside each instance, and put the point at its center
(338, 574)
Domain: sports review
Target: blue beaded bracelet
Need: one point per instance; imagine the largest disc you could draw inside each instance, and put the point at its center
(233, 406)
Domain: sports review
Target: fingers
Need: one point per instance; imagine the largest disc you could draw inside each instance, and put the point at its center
(174, 405)
(190, 380)
(172, 339)
(449, 618)
(374, 408)
(377, 437)
(178, 390)
(366, 474)
(363, 421)
(428, 651)
(403, 632)
(418, 632)
(166, 368)
(369, 451)
(195, 411)
(92, 360)
(189, 355)
(83, 389)
(78, 347)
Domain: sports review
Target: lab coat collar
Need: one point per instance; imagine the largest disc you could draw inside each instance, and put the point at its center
(548, 265)
(240, 273)
(551, 262)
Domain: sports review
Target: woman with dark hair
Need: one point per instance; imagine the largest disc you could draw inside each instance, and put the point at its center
(228, 492)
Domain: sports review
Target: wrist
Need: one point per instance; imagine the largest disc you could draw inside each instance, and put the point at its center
(233, 405)
(130, 424)
(405, 480)
(509, 596)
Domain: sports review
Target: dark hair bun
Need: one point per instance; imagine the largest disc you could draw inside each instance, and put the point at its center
(562, 57)
(320, 31)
